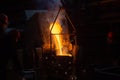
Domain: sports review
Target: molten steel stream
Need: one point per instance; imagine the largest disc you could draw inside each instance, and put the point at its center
(57, 38)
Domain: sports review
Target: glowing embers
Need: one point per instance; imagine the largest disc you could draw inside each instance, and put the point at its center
(60, 41)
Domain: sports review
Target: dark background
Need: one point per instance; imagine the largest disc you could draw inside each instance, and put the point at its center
(93, 20)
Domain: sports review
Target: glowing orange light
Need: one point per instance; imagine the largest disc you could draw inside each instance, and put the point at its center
(58, 40)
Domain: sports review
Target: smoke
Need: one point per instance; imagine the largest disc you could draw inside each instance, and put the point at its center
(54, 4)
(47, 18)
(48, 4)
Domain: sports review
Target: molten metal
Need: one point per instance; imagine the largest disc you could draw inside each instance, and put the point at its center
(61, 49)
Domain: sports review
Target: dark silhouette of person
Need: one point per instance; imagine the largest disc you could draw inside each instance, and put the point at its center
(3, 46)
(8, 45)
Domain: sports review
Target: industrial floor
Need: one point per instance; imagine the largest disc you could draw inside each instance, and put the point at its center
(81, 74)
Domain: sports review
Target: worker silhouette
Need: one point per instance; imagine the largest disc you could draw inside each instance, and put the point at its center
(8, 45)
